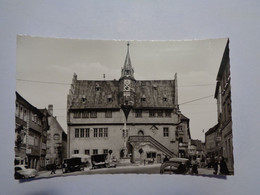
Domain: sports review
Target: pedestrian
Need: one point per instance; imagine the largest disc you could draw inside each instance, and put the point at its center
(215, 165)
(194, 169)
(53, 169)
(223, 167)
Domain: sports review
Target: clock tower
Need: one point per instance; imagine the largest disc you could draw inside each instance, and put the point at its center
(126, 95)
(127, 83)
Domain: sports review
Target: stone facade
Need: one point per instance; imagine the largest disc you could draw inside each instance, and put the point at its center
(30, 134)
(56, 140)
(223, 96)
(135, 119)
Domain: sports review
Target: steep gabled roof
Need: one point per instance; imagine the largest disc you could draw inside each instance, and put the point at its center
(212, 130)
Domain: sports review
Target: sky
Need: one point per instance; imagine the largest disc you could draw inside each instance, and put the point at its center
(45, 66)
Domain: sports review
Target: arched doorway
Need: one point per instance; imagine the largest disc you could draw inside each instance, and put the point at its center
(140, 133)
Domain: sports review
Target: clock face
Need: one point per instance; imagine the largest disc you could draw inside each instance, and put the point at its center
(127, 85)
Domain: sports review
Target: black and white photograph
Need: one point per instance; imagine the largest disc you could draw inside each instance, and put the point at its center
(87, 107)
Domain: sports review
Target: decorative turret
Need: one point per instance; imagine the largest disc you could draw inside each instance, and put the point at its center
(127, 71)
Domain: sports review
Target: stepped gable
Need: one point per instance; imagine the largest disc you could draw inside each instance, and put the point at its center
(154, 92)
(96, 94)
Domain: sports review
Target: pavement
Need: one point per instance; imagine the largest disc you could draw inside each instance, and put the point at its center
(130, 169)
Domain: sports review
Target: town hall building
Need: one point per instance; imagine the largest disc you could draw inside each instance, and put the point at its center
(130, 119)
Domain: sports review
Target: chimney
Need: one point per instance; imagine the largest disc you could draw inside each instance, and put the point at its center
(50, 109)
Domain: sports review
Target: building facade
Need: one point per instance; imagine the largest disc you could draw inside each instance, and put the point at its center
(134, 119)
(183, 136)
(30, 134)
(223, 97)
(211, 141)
(56, 140)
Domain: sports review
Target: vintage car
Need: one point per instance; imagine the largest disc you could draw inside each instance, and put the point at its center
(176, 166)
(23, 171)
(72, 164)
(100, 161)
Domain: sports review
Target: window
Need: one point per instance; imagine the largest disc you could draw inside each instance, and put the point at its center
(82, 132)
(77, 114)
(151, 154)
(165, 132)
(84, 100)
(138, 113)
(85, 114)
(180, 128)
(87, 152)
(167, 113)
(56, 136)
(95, 132)
(165, 99)
(17, 110)
(24, 115)
(93, 114)
(109, 99)
(180, 140)
(108, 114)
(21, 112)
(100, 132)
(105, 132)
(76, 132)
(95, 151)
(36, 141)
(151, 113)
(105, 151)
(98, 88)
(159, 113)
(76, 151)
(143, 99)
(87, 132)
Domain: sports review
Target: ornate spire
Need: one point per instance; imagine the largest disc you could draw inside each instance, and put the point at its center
(127, 70)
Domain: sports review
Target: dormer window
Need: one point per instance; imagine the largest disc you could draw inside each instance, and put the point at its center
(143, 99)
(98, 88)
(154, 87)
(84, 99)
(109, 99)
(165, 99)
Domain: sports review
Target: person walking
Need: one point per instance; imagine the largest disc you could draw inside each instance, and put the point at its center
(53, 169)
(215, 165)
(223, 167)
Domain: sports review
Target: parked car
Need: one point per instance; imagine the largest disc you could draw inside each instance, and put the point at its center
(24, 171)
(18, 175)
(176, 166)
(72, 164)
(101, 161)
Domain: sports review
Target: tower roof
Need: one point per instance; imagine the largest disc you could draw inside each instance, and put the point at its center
(127, 64)
(127, 70)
